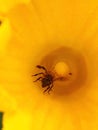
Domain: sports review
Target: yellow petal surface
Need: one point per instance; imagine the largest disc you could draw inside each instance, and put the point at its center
(5, 5)
(45, 32)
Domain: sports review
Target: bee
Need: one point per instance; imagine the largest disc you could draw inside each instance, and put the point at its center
(47, 78)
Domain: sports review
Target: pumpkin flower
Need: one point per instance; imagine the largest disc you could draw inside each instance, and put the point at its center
(61, 36)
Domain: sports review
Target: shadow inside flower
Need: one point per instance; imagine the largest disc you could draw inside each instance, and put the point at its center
(77, 64)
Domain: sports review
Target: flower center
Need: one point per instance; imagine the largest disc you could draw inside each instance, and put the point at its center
(61, 69)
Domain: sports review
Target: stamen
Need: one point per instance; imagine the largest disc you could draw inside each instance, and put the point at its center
(62, 69)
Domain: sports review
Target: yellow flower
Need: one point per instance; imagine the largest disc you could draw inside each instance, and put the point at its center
(48, 32)
(6, 5)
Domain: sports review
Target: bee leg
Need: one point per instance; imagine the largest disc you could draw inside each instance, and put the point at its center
(38, 74)
(46, 89)
(50, 88)
(37, 79)
(41, 67)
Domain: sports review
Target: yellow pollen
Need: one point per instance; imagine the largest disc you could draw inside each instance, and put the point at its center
(61, 69)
